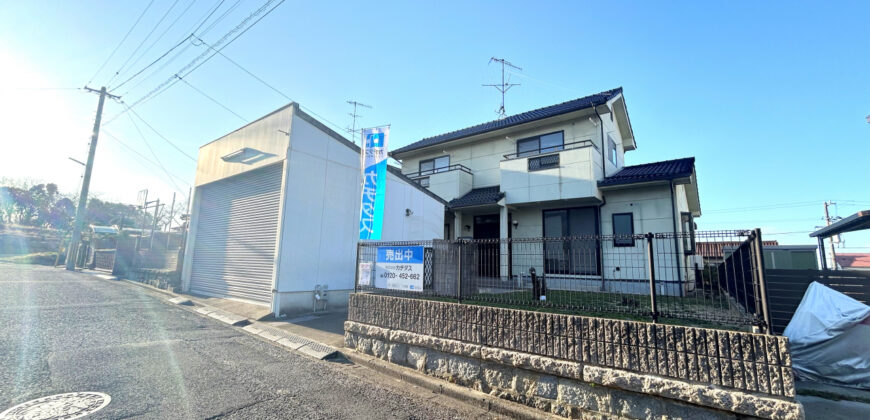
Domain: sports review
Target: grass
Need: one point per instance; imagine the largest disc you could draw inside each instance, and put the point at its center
(38, 258)
(686, 311)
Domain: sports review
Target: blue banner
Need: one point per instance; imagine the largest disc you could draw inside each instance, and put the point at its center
(374, 185)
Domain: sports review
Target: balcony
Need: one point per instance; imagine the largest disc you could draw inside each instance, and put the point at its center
(554, 173)
(448, 182)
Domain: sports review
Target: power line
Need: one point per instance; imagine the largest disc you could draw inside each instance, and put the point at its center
(141, 156)
(153, 62)
(203, 58)
(211, 99)
(122, 41)
(273, 88)
(165, 171)
(159, 37)
(191, 31)
(159, 134)
(159, 22)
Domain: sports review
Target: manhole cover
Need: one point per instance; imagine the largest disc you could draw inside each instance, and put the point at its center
(61, 406)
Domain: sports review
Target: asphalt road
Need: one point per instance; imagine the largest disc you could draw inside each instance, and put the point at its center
(68, 332)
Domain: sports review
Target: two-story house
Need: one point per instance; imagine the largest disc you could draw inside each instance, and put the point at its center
(557, 172)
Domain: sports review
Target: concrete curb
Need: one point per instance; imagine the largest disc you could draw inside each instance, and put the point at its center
(460, 393)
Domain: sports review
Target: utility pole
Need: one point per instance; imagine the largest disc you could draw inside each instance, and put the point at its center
(169, 224)
(503, 87)
(86, 182)
(828, 222)
(354, 115)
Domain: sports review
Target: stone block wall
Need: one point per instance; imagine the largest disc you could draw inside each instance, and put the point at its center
(554, 361)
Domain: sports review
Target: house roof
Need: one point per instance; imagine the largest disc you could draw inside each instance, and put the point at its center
(656, 171)
(478, 197)
(525, 117)
(854, 260)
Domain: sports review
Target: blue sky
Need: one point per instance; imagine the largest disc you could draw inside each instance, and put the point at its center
(770, 97)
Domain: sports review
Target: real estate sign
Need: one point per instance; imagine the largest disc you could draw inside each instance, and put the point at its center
(374, 165)
(399, 268)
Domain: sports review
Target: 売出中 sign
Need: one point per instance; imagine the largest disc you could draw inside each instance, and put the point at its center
(399, 268)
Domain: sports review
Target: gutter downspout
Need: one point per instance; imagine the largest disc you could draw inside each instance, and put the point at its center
(603, 199)
(601, 124)
(676, 239)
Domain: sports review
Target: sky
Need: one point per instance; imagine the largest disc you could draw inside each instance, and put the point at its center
(771, 98)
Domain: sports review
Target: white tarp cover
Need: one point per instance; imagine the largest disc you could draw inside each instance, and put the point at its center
(829, 337)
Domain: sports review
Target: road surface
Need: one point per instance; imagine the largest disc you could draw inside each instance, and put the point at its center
(71, 332)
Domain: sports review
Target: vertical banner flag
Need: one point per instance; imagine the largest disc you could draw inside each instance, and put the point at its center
(374, 165)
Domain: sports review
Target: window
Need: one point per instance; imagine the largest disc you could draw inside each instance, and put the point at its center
(431, 166)
(575, 251)
(611, 149)
(543, 162)
(540, 144)
(623, 229)
(424, 182)
(688, 224)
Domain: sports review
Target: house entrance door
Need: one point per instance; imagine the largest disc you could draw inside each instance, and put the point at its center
(487, 227)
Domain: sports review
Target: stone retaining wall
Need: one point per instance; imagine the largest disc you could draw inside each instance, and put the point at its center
(573, 365)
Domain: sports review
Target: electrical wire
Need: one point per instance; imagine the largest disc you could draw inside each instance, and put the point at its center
(122, 41)
(159, 22)
(159, 37)
(203, 20)
(168, 176)
(212, 99)
(153, 62)
(203, 58)
(140, 155)
(159, 134)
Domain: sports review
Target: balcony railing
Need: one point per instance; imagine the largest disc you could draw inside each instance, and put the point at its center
(456, 167)
(552, 149)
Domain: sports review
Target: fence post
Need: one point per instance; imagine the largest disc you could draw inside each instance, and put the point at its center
(356, 268)
(762, 283)
(650, 256)
(459, 249)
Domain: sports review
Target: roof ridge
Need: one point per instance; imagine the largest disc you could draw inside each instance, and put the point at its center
(452, 135)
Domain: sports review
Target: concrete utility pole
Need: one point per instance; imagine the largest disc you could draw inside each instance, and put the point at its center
(154, 224)
(86, 182)
(828, 223)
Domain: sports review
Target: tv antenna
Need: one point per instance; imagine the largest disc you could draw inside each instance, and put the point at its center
(503, 87)
(354, 115)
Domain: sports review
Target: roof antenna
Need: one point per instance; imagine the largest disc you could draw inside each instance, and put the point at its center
(503, 87)
(352, 130)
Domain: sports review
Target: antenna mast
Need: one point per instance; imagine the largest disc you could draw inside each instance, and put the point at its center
(354, 115)
(503, 87)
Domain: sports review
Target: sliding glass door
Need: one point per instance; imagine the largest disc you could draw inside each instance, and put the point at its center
(577, 252)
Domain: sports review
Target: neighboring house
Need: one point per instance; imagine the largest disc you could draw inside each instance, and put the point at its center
(786, 257)
(560, 171)
(854, 261)
(711, 251)
(275, 213)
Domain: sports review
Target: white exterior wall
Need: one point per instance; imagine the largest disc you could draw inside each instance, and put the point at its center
(484, 156)
(321, 218)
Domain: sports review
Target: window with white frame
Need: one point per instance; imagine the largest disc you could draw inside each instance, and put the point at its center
(431, 166)
(611, 148)
(541, 144)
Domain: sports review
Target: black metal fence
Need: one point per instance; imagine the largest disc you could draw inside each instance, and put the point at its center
(638, 276)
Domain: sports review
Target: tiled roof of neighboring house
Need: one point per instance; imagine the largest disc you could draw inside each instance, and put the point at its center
(656, 171)
(714, 249)
(854, 260)
(525, 117)
(478, 197)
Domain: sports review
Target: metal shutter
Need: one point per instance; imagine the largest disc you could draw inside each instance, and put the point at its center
(237, 226)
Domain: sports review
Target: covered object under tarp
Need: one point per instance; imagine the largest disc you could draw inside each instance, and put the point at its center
(829, 337)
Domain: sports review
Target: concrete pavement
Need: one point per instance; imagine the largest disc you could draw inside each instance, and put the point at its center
(67, 332)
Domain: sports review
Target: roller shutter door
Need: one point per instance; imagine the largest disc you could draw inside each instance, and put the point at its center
(237, 226)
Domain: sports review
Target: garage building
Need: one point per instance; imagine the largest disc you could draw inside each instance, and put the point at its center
(275, 213)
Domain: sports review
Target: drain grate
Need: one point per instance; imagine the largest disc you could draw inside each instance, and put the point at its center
(67, 406)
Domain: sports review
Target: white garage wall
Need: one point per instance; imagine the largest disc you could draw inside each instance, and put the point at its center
(321, 216)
